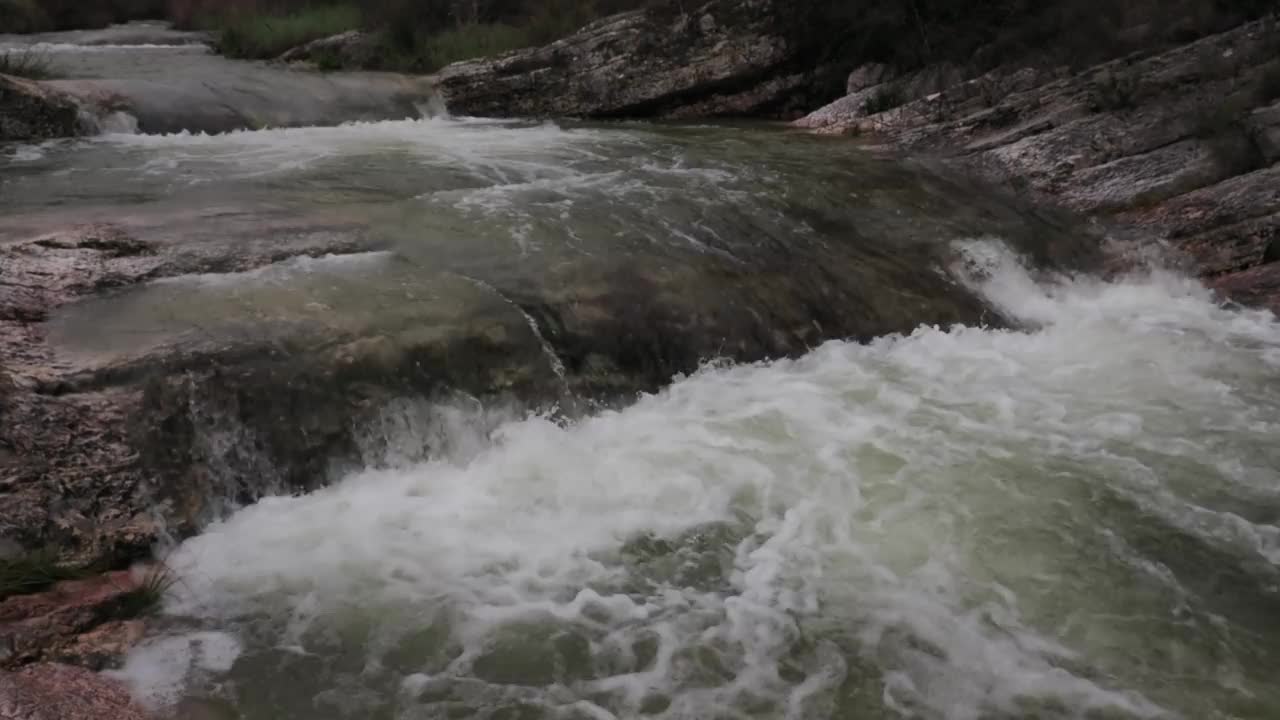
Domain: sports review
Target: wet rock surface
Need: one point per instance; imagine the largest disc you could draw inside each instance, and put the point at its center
(1178, 146)
(31, 111)
(721, 58)
(244, 389)
(89, 622)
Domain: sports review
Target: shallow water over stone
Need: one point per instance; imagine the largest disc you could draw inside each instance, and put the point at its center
(1073, 522)
(148, 77)
(444, 326)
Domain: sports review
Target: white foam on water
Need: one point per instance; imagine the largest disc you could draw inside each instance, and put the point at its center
(52, 48)
(925, 517)
(284, 270)
(160, 669)
(502, 152)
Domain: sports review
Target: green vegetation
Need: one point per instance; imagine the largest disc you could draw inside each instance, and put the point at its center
(267, 36)
(984, 34)
(25, 64)
(34, 572)
(27, 16)
(23, 16)
(886, 98)
(149, 594)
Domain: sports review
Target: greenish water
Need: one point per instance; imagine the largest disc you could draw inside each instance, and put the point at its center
(1076, 519)
(1073, 522)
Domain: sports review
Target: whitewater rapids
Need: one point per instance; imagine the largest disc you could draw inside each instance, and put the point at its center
(1078, 520)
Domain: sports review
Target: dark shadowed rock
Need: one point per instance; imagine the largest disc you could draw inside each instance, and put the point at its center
(63, 692)
(31, 110)
(724, 58)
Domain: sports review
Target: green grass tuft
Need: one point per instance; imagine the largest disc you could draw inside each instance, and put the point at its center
(149, 594)
(268, 36)
(34, 572)
(26, 64)
(469, 42)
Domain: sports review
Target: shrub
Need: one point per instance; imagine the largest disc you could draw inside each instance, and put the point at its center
(267, 36)
(886, 97)
(1113, 91)
(34, 572)
(24, 16)
(470, 41)
(1233, 143)
(149, 593)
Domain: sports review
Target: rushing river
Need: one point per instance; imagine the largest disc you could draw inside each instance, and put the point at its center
(1075, 518)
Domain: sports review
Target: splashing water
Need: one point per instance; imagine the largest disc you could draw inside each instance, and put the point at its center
(1075, 521)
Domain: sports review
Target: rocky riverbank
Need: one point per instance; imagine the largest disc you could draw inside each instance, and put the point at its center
(103, 456)
(1173, 149)
(1176, 149)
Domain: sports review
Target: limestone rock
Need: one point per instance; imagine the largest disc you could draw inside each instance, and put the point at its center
(725, 58)
(1179, 146)
(31, 110)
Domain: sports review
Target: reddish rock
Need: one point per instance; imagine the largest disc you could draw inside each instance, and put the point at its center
(78, 621)
(62, 692)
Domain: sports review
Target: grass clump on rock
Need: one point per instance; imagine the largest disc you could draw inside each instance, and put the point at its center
(34, 572)
(150, 592)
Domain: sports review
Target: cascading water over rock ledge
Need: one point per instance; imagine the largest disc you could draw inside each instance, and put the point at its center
(455, 417)
(922, 525)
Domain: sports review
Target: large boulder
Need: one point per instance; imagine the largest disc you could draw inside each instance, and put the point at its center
(31, 110)
(726, 58)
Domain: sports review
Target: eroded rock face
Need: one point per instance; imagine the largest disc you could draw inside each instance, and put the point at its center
(62, 692)
(725, 58)
(31, 110)
(1180, 145)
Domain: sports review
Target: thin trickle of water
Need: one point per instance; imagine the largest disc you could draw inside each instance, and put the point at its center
(1074, 521)
(548, 351)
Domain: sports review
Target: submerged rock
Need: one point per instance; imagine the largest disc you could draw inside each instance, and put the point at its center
(32, 111)
(724, 58)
